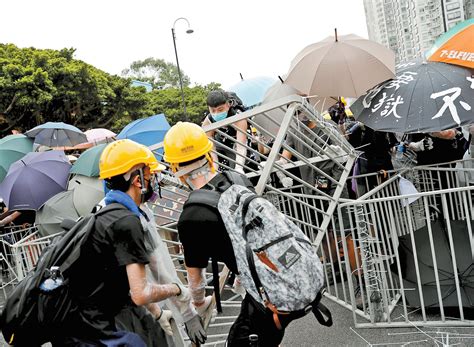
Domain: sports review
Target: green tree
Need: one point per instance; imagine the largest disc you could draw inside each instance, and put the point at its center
(168, 101)
(159, 73)
(37, 86)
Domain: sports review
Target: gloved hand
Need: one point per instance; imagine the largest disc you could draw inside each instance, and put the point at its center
(422, 145)
(164, 322)
(185, 295)
(202, 308)
(284, 180)
(195, 330)
(237, 287)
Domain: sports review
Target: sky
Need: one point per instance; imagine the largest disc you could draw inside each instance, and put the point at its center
(252, 38)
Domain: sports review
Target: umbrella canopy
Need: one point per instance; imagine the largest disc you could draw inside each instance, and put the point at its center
(88, 192)
(88, 162)
(424, 97)
(32, 180)
(443, 255)
(271, 122)
(252, 90)
(347, 65)
(57, 134)
(13, 148)
(54, 211)
(99, 135)
(456, 46)
(147, 131)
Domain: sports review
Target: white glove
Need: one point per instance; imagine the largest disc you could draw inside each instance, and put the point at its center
(284, 180)
(417, 146)
(202, 309)
(237, 287)
(185, 295)
(164, 321)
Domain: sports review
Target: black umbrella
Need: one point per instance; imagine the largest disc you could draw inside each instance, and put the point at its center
(424, 97)
(444, 257)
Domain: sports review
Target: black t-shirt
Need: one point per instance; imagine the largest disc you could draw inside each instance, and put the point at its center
(102, 285)
(203, 234)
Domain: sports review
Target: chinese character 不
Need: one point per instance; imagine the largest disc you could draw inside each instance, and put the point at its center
(449, 103)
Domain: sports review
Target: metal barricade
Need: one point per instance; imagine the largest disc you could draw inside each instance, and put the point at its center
(278, 156)
(405, 260)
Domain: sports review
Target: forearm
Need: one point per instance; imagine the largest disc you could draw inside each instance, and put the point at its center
(144, 292)
(154, 309)
(241, 155)
(197, 284)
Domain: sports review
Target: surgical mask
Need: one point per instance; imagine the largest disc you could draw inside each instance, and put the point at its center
(219, 116)
(153, 187)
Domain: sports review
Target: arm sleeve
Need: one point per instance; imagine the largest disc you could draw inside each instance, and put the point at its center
(194, 237)
(129, 242)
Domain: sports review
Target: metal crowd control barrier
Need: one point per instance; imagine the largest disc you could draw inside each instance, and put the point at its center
(407, 260)
(282, 149)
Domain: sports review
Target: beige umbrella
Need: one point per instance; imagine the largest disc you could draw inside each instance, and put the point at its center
(272, 119)
(347, 65)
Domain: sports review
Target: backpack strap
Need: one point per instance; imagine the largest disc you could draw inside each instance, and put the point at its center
(320, 310)
(203, 197)
(215, 283)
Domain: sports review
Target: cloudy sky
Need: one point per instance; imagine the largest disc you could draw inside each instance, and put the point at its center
(252, 37)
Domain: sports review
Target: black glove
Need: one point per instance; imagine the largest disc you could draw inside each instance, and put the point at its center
(195, 330)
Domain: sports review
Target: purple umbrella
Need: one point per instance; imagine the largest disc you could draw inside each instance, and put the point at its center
(32, 180)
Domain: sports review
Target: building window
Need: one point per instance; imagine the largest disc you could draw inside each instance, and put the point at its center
(454, 15)
(452, 6)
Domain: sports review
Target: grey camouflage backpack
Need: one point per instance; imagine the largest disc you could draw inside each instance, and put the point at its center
(277, 264)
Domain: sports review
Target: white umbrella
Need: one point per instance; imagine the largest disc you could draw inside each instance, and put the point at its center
(342, 66)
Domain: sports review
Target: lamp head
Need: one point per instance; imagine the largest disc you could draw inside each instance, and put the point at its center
(189, 31)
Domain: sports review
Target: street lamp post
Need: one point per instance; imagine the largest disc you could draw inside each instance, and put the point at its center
(189, 31)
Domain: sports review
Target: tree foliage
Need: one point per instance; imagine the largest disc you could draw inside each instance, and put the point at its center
(159, 73)
(37, 86)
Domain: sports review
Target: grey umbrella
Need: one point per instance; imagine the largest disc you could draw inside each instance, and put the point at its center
(54, 211)
(88, 192)
(57, 134)
(424, 97)
(444, 255)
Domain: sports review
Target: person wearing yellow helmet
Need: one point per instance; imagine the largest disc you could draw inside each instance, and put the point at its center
(115, 254)
(203, 233)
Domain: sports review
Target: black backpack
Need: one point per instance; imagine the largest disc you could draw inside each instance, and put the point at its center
(33, 315)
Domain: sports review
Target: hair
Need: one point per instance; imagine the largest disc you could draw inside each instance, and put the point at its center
(216, 98)
(120, 183)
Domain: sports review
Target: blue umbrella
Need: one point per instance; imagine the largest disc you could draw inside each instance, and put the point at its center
(147, 131)
(57, 134)
(35, 178)
(252, 90)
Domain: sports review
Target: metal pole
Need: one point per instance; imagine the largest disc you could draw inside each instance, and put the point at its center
(179, 74)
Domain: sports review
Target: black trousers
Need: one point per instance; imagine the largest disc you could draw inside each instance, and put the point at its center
(253, 319)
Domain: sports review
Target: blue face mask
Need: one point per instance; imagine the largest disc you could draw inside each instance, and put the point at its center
(219, 116)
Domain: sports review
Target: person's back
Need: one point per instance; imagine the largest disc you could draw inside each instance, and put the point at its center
(102, 286)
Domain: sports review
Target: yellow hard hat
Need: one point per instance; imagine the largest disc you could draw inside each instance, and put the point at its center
(122, 155)
(185, 142)
(343, 100)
